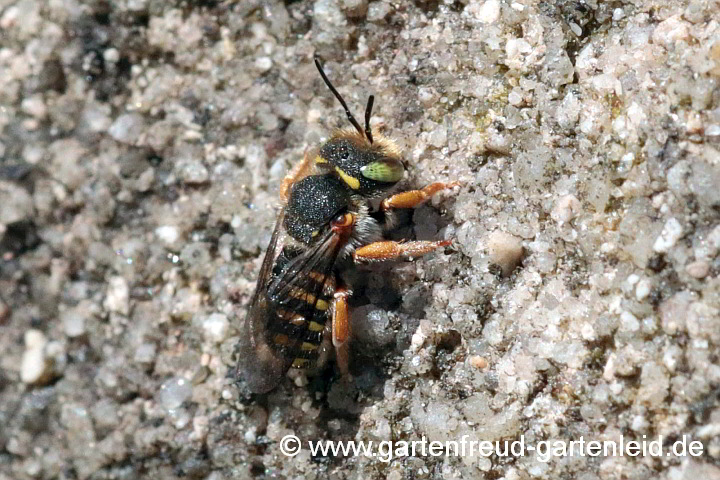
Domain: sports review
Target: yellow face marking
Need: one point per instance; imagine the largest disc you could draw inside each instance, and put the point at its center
(307, 346)
(351, 181)
(316, 327)
(300, 363)
(320, 159)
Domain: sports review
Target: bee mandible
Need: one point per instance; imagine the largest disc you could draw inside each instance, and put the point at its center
(299, 312)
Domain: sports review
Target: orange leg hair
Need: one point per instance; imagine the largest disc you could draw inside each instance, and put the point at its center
(341, 329)
(297, 172)
(389, 250)
(413, 198)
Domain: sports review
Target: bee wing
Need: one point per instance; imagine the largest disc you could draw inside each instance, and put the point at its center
(302, 283)
(297, 288)
(260, 365)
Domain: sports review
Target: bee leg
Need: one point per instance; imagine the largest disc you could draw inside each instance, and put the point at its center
(341, 329)
(298, 171)
(413, 198)
(325, 347)
(390, 250)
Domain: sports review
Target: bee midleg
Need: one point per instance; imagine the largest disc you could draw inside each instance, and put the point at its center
(341, 328)
(413, 198)
(297, 172)
(391, 250)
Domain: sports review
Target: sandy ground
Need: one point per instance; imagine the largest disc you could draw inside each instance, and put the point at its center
(142, 143)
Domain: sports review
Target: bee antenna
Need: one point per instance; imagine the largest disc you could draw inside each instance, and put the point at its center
(368, 113)
(342, 102)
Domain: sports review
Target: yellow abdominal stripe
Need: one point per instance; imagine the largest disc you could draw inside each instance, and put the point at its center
(316, 327)
(301, 294)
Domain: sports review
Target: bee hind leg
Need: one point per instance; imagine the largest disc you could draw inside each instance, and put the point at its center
(341, 329)
(391, 250)
(414, 198)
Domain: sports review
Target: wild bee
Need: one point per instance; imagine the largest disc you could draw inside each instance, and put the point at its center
(300, 306)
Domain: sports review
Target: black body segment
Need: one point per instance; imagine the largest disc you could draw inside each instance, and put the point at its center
(314, 202)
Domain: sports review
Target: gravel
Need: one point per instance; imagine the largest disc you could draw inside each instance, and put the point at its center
(142, 145)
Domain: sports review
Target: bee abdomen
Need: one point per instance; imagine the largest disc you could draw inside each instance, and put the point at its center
(297, 328)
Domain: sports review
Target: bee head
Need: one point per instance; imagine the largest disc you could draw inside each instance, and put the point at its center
(314, 202)
(367, 165)
(364, 167)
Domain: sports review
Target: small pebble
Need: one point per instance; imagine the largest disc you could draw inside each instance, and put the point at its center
(263, 64)
(17, 204)
(566, 208)
(642, 289)
(487, 12)
(127, 128)
(174, 392)
(35, 367)
(167, 233)
(438, 137)
(111, 55)
(192, 171)
(378, 11)
(34, 106)
(478, 362)
(671, 233)
(73, 322)
(670, 30)
(216, 327)
(118, 296)
(145, 353)
(505, 250)
(698, 269)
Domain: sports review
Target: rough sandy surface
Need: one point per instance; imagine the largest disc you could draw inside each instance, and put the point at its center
(142, 144)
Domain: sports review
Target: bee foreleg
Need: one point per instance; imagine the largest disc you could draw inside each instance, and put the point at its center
(413, 198)
(341, 329)
(390, 250)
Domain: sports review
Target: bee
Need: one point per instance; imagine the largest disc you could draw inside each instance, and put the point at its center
(299, 312)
